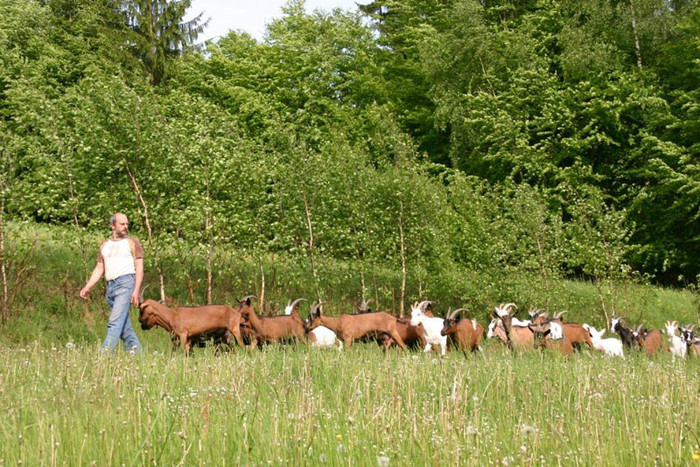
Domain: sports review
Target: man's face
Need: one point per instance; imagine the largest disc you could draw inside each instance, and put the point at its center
(120, 226)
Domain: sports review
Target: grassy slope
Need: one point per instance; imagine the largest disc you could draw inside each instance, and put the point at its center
(49, 310)
(64, 403)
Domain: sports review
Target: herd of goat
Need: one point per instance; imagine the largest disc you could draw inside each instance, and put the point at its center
(192, 326)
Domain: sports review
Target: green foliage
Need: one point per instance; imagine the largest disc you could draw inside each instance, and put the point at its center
(315, 141)
(160, 33)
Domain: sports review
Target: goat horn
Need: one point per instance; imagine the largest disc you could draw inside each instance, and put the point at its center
(295, 302)
(559, 314)
(143, 289)
(456, 312)
(248, 297)
(316, 307)
(424, 304)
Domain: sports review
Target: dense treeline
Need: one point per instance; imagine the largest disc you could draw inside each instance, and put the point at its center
(550, 138)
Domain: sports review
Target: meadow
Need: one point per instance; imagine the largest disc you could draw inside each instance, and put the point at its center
(65, 404)
(69, 405)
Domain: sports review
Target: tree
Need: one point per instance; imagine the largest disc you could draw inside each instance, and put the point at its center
(160, 33)
(402, 26)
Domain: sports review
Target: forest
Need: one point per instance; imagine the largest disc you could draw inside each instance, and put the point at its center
(447, 141)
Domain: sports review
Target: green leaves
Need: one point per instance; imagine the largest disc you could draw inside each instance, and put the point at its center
(160, 32)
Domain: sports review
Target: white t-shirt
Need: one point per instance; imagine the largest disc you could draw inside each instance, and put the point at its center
(118, 256)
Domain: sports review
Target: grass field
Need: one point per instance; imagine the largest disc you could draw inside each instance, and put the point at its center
(65, 404)
(295, 405)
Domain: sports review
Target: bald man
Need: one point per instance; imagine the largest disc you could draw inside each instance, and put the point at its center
(120, 260)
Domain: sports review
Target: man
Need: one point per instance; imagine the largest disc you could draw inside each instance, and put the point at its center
(120, 259)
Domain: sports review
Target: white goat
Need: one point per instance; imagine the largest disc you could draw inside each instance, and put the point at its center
(432, 327)
(676, 345)
(609, 345)
(320, 337)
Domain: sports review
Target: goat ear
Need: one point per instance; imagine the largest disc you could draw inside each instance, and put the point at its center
(546, 333)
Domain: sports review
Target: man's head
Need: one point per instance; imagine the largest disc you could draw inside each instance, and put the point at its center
(119, 225)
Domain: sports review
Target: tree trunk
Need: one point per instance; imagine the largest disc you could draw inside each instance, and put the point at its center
(262, 286)
(208, 228)
(311, 248)
(159, 266)
(403, 263)
(4, 308)
(87, 316)
(637, 47)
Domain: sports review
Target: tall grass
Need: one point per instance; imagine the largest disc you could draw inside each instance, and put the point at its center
(294, 405)
(63, 403)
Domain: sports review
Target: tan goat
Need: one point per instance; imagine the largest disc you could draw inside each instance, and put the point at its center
(512, 332)
(575, 333)
(412, 335)
(187, 323)
(466, 334)
(519, 337)
(352, 327)
(272, 329)
(650, 341)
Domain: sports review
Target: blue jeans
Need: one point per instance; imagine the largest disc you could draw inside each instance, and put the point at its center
(118, 297)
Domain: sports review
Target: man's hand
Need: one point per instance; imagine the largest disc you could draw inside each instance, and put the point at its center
(135, 298)
(84, 293)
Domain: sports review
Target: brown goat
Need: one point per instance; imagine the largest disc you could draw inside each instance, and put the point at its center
(551, 335)
(187, 323)
(562, 345)
(352, 327)
(466, 334)
(650, 341)
(691, 341)
(412, 335)
(272, 329)
(575, 333)
(518, 337)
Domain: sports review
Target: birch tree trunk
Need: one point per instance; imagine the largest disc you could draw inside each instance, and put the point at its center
(403, 262)
(311, 248)
(159, 266)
